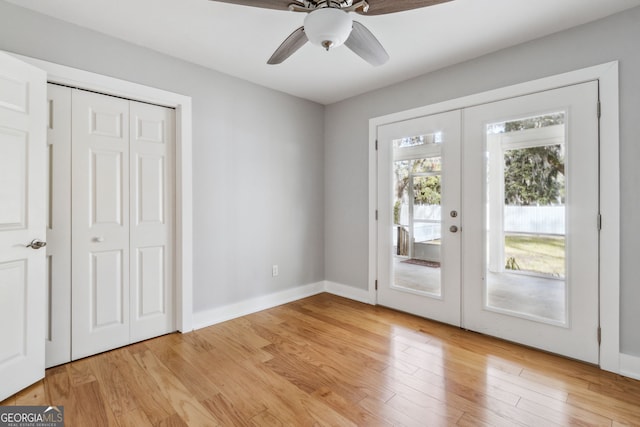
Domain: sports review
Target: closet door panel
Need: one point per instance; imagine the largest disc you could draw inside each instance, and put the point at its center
(58, 332)
(152, 141)
(100, 229)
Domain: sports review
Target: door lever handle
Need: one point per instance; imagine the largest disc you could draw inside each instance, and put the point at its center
(36, 244)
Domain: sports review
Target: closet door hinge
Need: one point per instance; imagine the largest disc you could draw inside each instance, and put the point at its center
(599, 335)
(599, 109)
(376, 214)
(376, 145)
(376, 284)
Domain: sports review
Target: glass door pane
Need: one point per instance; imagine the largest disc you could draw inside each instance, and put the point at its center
(417, 225)
(525, 204)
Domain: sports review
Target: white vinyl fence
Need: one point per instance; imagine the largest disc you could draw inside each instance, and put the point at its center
(534, 219)
(517, 219)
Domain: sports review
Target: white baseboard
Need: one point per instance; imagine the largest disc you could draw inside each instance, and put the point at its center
(630, 366)
(203, 319)
(345, 291)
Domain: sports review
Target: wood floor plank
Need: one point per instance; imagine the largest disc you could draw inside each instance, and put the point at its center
(36, 395)
(388, 413)
(172, 421)
(285, 335)
(184, 368)
(188, 408)
(610, 407)
(80, 372)
(345, 370)
(479, 405)
(225, 411)
(431, 412)
(148, 396)
(135, 418)
(490, 420)
(292, 405)
(326, 360)
(91, 410)
(354, 413)
(307, 377)
(114, 385)
(327, 336)
(266, 419)
(564, 415)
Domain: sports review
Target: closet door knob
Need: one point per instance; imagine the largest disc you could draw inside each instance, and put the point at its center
(98, 239)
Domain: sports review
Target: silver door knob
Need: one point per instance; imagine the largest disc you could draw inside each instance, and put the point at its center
(99, 239)
(453, 229)
(36, 244)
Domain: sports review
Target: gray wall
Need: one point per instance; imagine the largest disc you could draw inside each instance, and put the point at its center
(257, 159)
(346, 139)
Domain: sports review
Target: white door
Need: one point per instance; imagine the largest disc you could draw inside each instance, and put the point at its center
(22, 220)
(152, 140)
(122, 233)
(419, 216)
(531, 245)
(58, 332)
(527, 269)
(100, 227)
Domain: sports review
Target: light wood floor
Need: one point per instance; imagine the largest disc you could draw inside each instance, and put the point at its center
(326, 360)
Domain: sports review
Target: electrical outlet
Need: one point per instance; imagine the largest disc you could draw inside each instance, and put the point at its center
(274, 270)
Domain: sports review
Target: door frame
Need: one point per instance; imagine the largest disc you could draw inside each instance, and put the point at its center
(183, 250)
(609, 276)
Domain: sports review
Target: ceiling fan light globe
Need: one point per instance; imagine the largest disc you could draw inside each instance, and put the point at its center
(328, 27)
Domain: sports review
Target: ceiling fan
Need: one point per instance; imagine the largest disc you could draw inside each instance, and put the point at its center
(328, 24)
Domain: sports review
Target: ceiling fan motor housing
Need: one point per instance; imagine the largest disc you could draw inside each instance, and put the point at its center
(328, 27)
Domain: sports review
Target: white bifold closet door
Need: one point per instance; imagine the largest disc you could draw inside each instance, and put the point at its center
(122, 192)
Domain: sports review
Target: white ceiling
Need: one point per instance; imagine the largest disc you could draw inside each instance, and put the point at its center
(238, 40)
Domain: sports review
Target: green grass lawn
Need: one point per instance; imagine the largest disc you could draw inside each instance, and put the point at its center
(540, 254)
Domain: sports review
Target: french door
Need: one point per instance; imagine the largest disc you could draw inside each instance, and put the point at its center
(496, 231)
(531, 246)
(419, 195)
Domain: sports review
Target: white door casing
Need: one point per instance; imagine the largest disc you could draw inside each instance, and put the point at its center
(22, 219)
(100, 229)
(58, 344)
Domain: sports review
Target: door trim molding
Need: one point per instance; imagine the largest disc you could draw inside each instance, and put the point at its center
(81, 79)
(607, 76)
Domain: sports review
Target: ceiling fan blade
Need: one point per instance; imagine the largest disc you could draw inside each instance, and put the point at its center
(380, 7)
(266, 4)
(364, 44)
(295, 41)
